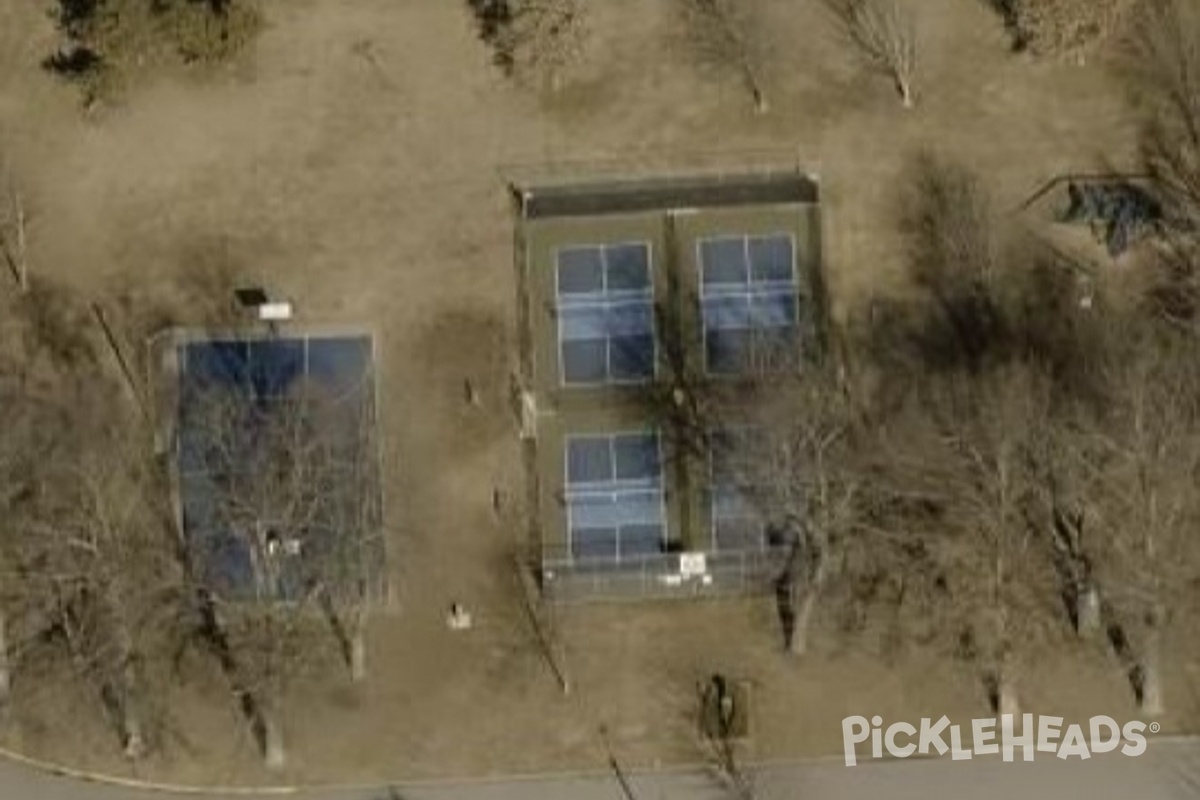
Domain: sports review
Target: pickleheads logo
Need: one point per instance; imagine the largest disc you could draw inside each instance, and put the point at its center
(996, 736)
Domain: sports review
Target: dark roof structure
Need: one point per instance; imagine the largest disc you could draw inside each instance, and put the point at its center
(634, 196)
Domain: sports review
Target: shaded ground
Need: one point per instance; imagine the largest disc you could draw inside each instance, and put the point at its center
(353, 162)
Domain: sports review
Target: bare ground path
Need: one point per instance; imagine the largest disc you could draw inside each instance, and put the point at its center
(1169, 770)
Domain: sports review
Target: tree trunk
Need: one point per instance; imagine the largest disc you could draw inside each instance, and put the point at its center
(16, 257)
(750, 76)
(1152, 695)
(761, 106)
(358, 646)
(5, 667)
(1006, 697)
(274, 754)
(135, 740)
(131, 712)
(808, 605)
(124, 681)
(350, 630)
(1087, 611)
(1002, 692)
(256, 707)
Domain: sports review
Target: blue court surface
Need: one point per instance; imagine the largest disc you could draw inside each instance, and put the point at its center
(277, 463)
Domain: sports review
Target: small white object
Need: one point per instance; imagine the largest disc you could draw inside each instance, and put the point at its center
(672, 580)
(692, 564)
(706, 580)
(275, 312)
(277, 546)
(459, 619)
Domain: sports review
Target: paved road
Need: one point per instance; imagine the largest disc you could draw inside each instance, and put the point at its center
(1170, 770)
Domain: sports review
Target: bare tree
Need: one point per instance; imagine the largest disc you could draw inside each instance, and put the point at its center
(882, 35)
(978, 374)
(1134, 456)
(1050, 447)
(293, 483)
(984, 293)
(25, 377)
(731, 34)
(345, 571)
(15, 480)
(952, 256)
(1145, 505)
(1062, 511)
(108, 566)
(966, 447)
(1163, 69)
(533, 39)
(778, 443)
(1152, 434)
(795, 461)
(87, 569)
(1007, 364)
(90, 573)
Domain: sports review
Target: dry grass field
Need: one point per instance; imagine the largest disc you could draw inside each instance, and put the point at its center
(354, 161)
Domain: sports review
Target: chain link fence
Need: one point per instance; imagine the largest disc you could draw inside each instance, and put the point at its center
(661, 575)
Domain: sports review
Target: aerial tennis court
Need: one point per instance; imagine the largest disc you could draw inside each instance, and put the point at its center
(276, 462)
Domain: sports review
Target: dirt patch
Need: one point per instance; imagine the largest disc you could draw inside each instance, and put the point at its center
(468, 355)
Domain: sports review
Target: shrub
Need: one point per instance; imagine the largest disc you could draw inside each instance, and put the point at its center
(539, 40)
(1060, 26)
(108, 41)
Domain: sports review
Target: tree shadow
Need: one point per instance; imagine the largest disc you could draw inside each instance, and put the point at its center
(74, 61)
(1123, 649)
(1010, 15)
